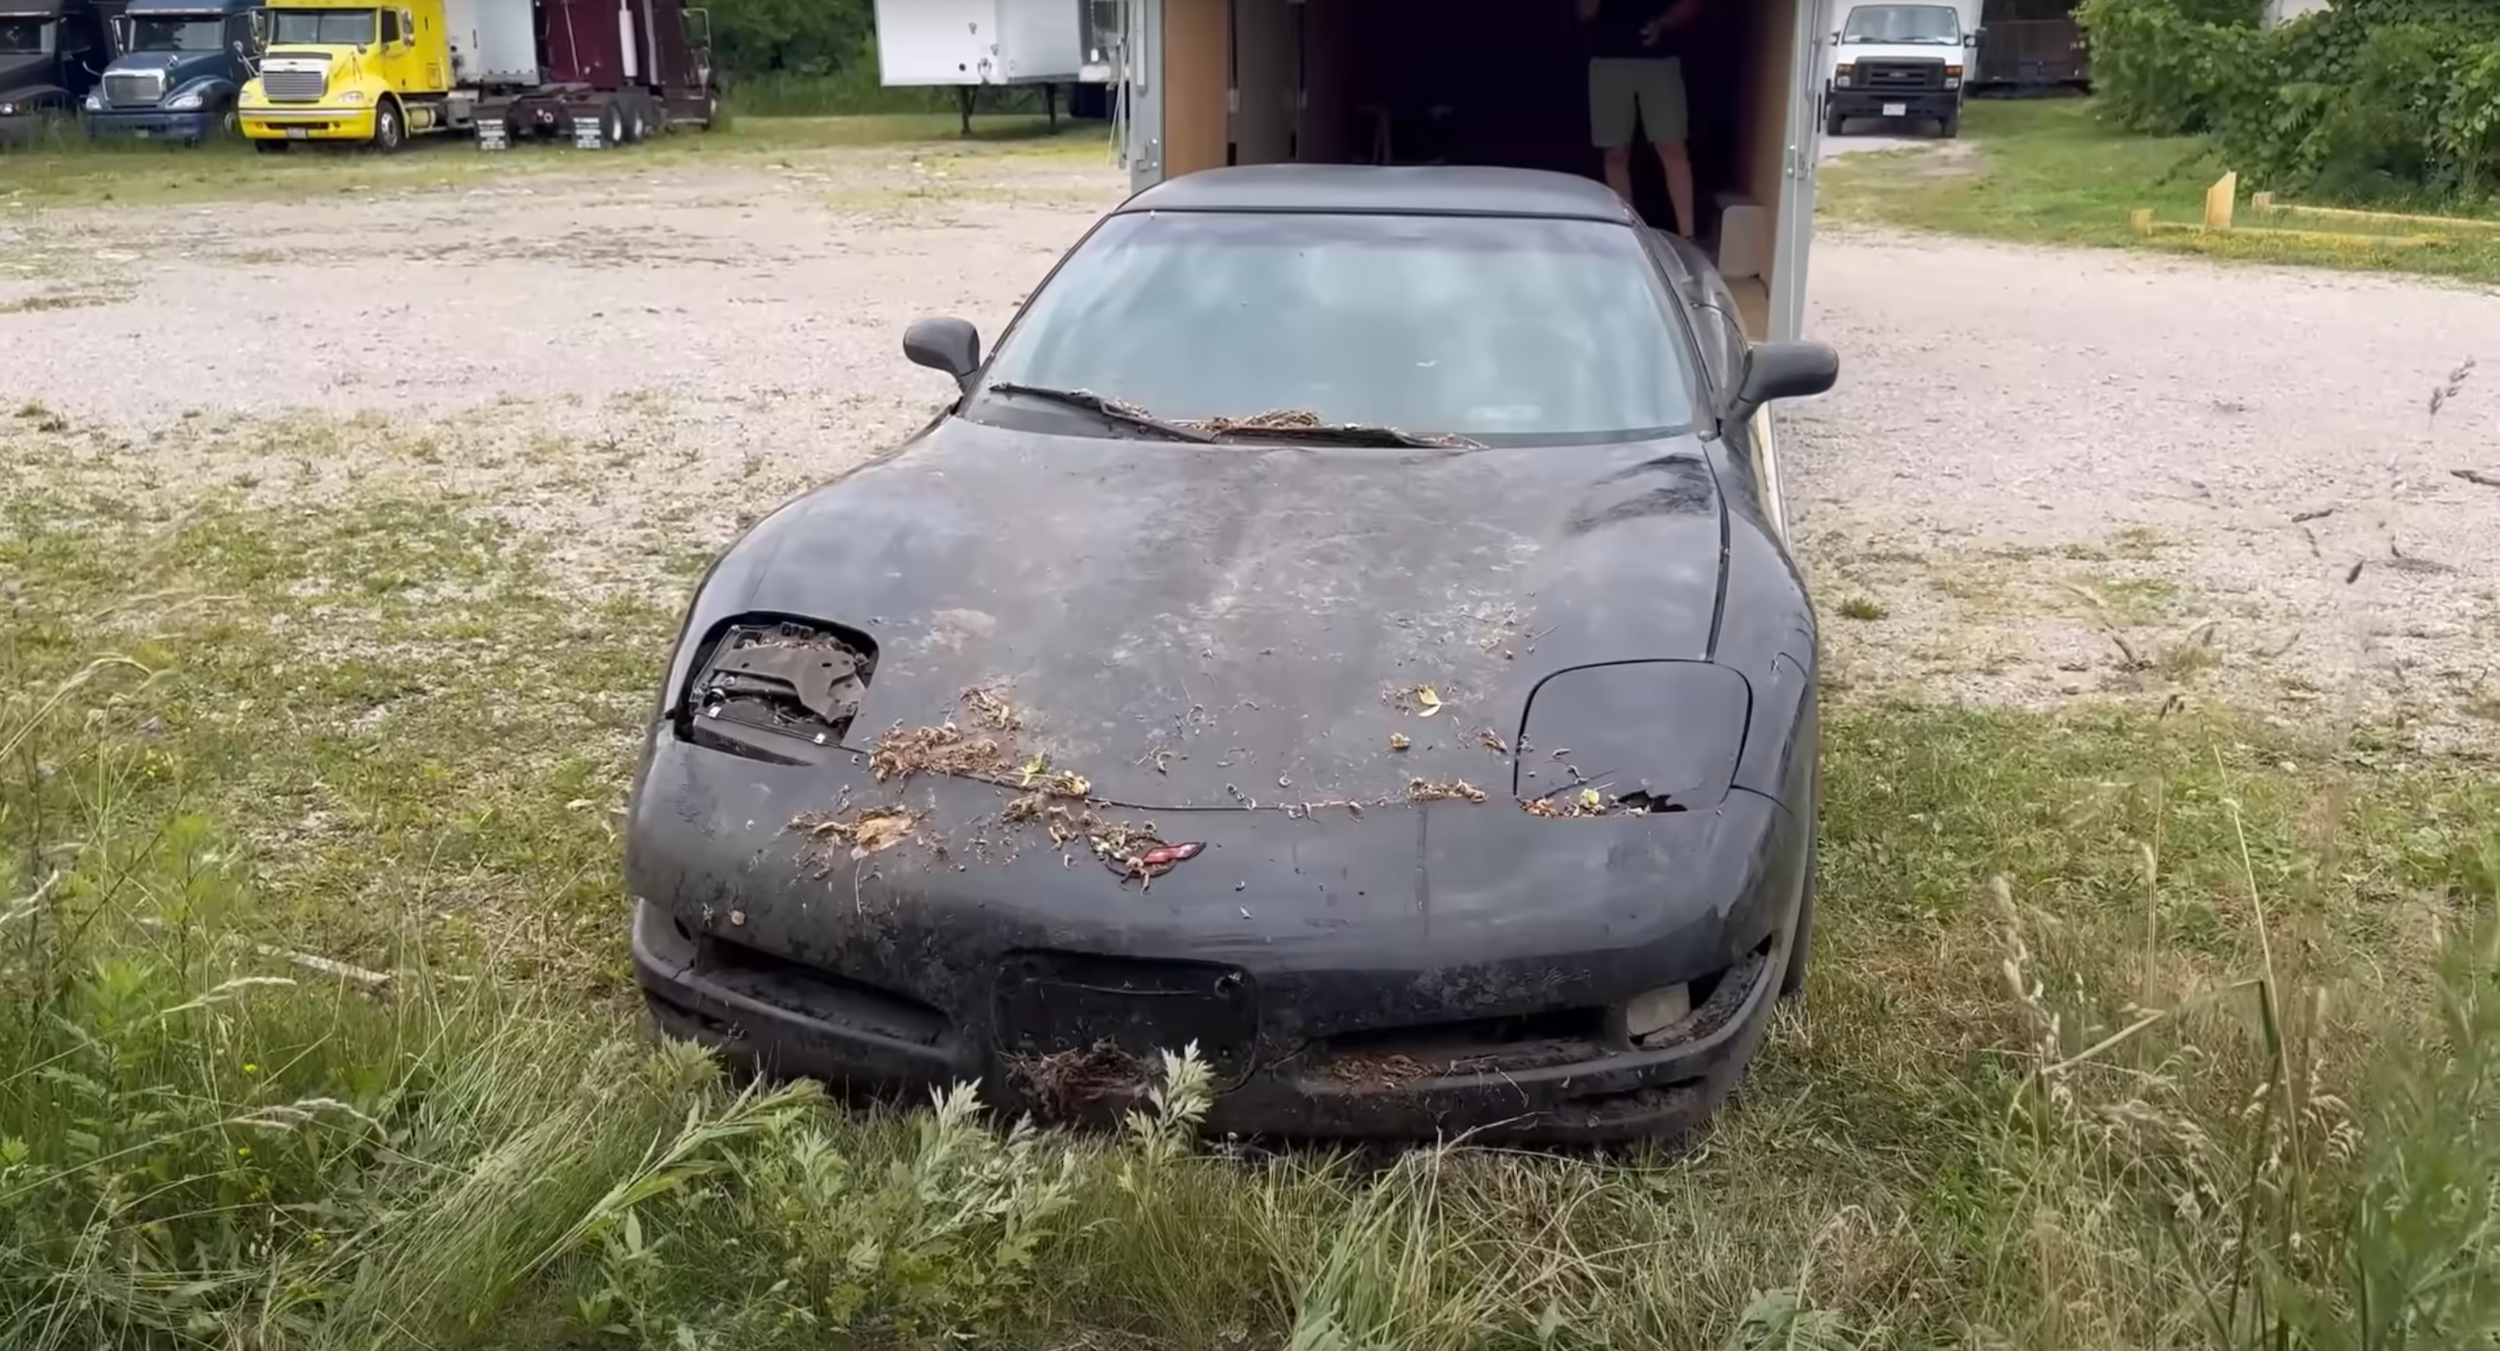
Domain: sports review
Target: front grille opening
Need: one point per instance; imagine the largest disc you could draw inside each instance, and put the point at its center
(1398, 1056)
(1901, 75)
(780, 677)
(295, 86)
(816, 993)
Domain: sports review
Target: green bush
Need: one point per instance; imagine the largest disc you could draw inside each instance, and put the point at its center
(2371, 100)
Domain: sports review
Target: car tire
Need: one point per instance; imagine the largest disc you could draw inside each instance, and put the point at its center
(1801, 943)
(390, 129)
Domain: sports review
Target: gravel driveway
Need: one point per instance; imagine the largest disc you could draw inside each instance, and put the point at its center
(2046, 475)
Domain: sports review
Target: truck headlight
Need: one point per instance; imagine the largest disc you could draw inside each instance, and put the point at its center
(1953, 77)
(352, 96)
(1840, 76)
(183, 102)
(8, 110)
(95, 103)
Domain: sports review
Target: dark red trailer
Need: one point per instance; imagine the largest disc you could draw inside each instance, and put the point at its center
(611, 72)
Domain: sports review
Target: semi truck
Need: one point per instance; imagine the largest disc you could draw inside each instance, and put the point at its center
(605, 71)
(51, 53)
(181, 65)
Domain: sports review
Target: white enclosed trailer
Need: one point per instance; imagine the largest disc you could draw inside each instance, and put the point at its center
(1217, 82)
(965, 43)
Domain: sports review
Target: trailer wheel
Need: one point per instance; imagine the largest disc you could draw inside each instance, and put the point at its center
(388, 129)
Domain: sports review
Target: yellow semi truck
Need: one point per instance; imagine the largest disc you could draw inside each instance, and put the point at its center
(340, 70)
(375, 72)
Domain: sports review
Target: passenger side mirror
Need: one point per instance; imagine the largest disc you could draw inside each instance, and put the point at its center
(944, 344)
(1783, 370)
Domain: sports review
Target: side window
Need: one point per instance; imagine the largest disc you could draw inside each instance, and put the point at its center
(391, 31)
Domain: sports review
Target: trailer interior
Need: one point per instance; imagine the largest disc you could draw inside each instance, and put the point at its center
(1500, 82)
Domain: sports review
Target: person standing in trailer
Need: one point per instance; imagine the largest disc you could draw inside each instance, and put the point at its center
(1636, 80)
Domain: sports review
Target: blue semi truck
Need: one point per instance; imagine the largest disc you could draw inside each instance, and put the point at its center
(181, 64)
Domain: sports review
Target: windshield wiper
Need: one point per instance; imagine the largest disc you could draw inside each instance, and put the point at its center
(1109, 410)
(1335, 433)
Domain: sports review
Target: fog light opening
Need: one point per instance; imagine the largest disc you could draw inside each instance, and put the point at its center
(1654, 1014)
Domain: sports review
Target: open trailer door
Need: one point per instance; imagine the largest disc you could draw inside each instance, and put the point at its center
(1140, 98)
(1803, 152)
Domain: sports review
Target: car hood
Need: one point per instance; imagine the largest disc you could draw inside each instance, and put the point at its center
(1198, 626)
(178, 66)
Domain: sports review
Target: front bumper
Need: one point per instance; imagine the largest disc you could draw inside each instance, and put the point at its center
(1877, 103)
(307, 124)
(1426, 971)
(154, 124)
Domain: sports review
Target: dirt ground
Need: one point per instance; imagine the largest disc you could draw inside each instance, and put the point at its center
(2045, 476)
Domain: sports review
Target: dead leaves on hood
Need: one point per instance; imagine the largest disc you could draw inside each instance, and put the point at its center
(869, 831)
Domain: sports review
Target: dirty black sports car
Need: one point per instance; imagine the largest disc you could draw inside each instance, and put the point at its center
(1340, 627)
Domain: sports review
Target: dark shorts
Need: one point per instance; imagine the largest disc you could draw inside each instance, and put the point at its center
(1628, 89)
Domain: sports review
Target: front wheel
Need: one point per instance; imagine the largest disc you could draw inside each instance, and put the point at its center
(1831, 122)
(389, 132)
(270, 147)
(1949, 126)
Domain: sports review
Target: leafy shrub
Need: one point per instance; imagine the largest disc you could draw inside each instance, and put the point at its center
(2371, 100)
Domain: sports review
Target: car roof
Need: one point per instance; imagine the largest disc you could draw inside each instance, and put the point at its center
(1432, 190)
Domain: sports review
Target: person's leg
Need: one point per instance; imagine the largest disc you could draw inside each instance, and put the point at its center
(1664, 116)
(1614, 107)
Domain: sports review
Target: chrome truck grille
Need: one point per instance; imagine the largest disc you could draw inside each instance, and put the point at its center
(295, 86)
(133, 88)
(1891, 75)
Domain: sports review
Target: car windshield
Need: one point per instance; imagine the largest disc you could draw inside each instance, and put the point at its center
(24, 37)
(1443, 325)
(321, 27)
(1904, 23)
(171, 34)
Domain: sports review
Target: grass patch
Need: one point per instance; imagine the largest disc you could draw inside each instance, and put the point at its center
(2124, 1032)
(2049, 171)
(72, 172)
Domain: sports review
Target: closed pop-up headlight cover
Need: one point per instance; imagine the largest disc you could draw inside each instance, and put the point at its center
(1674, 730)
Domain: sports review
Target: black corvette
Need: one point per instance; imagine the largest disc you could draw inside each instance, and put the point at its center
(1340, 627)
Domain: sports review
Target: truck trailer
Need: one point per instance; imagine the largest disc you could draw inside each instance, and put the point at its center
(51, 53)
(604, 71)
(181, 65)
(610, 72)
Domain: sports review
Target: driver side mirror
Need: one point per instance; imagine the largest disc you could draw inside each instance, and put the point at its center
(944, 344)
(1783, 370)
